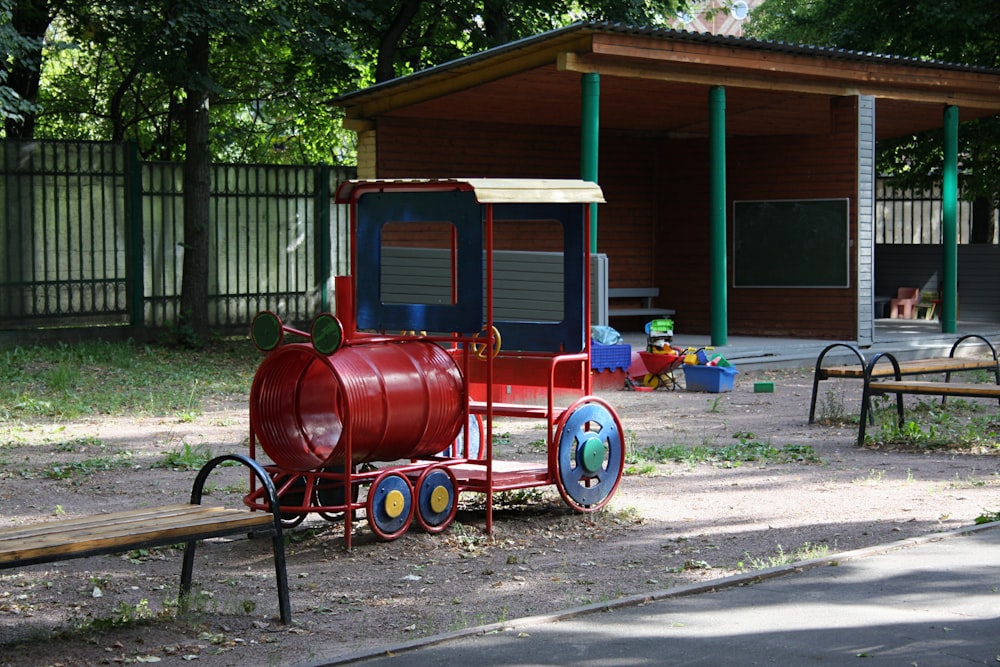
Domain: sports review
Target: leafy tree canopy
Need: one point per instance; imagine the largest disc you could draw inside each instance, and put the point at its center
(956, 31)
(117, 69)
(15, 46)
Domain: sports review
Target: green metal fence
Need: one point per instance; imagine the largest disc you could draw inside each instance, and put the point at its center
(94, 237)
(905, 216)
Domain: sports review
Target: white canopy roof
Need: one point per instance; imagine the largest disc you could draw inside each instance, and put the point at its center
(489, 190)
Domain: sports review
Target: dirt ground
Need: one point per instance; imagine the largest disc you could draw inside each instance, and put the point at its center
(672, 525)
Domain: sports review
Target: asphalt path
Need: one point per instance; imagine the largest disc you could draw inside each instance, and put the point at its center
(926, 602)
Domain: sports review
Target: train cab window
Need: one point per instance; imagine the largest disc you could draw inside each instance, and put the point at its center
(528, 270)
(418, 264)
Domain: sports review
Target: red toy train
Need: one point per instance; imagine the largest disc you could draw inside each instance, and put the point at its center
(362, 412)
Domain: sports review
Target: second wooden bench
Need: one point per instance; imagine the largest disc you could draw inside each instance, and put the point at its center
(642, 295)
(863, 369)
(152, 527)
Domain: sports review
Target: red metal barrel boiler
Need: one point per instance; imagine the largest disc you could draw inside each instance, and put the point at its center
(393, 400)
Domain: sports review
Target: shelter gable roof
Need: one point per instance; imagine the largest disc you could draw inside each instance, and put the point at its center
(650, 76)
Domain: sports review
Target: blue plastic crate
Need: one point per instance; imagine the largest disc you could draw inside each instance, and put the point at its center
(609, 357)
(714, 379)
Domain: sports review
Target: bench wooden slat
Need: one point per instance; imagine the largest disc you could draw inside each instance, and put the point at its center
(914, 367)
(967, 389)
(189, 523)
(645, 294)
(55, 541)
(142, 524)
(633, 292)
(630, 312)
(17, 532)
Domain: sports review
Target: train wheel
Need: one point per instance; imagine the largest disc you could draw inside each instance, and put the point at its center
(294, 496)
(590, 454)
(437, 498)
(475, 450)
(390, 505)
(332, 494)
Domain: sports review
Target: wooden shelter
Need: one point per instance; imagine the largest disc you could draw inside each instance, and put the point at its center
(739, 174)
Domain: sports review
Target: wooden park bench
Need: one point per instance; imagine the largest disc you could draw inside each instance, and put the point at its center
(153, 527)
(874, 386)
(865, 371)
(644, 296)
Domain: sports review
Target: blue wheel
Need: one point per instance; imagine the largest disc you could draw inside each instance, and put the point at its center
(390, 505)
(457, 449)
(437, 498)
(590, 454)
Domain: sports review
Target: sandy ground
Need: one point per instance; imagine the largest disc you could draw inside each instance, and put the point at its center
(669, 524)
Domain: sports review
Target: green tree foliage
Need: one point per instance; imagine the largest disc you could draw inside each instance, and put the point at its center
(400, 37)
(17, 49)
(24, 27)
(955, 31)
(217, 80)
(116, 69)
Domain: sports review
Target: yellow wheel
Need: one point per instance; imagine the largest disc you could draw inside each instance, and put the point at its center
(437, 498)
(390, 505)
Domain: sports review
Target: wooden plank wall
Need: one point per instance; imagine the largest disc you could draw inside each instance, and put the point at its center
(528, 285)
(784, 167)
(654, 228)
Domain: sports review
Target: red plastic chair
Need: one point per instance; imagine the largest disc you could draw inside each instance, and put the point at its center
(904, 306)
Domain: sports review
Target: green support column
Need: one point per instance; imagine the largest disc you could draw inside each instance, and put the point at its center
(590, 124)
(717, 214)
(949, 223)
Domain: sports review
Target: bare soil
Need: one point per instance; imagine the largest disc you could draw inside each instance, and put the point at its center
(674, 525)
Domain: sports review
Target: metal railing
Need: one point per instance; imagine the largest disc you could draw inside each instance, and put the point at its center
(905, 216)
(92, 236)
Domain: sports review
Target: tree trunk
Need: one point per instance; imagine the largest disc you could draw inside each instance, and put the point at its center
(30, 18)
(982, 221)
(387, 46)
(496, 22)
(193, 322)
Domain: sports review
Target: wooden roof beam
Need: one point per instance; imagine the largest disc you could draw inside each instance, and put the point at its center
(908, 73)
(683, 71)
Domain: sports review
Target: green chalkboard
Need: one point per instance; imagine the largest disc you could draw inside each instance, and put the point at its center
(791, 243)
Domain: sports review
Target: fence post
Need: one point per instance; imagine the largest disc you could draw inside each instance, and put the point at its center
(322, 209)
(135, 287)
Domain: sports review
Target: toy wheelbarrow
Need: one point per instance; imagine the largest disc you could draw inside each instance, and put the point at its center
(660, 369)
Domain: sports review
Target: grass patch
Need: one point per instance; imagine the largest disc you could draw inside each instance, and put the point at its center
(807, 551)
(832, 411)
(748, 449)
(88, 466)
(987, 517)
(124, 615)
(185, 458)
(117, 378)
(929, 425)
